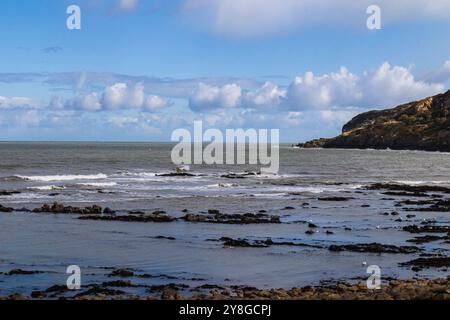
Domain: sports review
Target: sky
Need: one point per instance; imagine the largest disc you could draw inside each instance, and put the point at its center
(139, 69)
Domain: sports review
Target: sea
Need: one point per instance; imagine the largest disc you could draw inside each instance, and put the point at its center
(131, 176)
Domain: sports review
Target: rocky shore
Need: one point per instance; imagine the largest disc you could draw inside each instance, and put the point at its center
(418, 125)
(412, 289)
(406, 211)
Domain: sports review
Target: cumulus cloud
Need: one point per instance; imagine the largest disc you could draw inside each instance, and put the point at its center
(18, 102)
(268, 96)
(260, 17)
(211, 97)
(318, 92)
(394, 85)
(442, 74)
(383, 87)
(115, 97)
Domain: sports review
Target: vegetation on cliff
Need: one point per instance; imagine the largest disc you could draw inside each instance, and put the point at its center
(418, 125)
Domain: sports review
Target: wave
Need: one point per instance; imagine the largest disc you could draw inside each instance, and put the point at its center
(98, 184)
(47, 188)
(64, 177)
(422, 182)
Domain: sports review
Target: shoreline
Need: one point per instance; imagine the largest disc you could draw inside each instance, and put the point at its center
(411, 289)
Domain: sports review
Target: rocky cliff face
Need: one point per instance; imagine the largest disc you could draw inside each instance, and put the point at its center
(419, 125)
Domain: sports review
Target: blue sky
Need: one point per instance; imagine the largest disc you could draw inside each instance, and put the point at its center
(139, 69)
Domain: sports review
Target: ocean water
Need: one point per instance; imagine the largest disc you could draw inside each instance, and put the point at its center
(124, 176)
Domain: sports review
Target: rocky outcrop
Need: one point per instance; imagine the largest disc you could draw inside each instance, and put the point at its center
(419, 125)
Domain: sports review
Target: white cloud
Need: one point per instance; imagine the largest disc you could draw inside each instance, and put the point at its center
(211, 97)
(260, 17)
(386, 86)
(319, 92)
(115, 97)
(389, 86)
(127, 5)
(442, 74)
(18, 102)
(123, 121)
(268, 96)
(154, 102)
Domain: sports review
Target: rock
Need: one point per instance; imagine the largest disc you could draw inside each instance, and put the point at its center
(108, 211)
(176, 174)
(132, 217)
(248, 218)
(418, 125)
(438, 262)
(5, 209)
(124, 273)
(38, 294)
(163, 237)
(374, 248)
(334, 199)
(22, 272)
(8, 193)
(426, 229)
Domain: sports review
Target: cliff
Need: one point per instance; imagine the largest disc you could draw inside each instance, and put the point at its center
(418, 125)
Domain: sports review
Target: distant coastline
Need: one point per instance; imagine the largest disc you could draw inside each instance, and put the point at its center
(419, 125)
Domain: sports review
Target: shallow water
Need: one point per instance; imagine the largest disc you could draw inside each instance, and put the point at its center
(123, 176)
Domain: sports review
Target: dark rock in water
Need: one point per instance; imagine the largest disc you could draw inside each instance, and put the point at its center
(334, 199)
(312, 225)
(5, 209)
(108, 211)
(409, 216)
(329, 232)
(96, 290)
(408, 188)
(38, 294)
(394, 213)
(427, 239)
(176, 174)
(185, 210)
(365, 206)
(213, 211)
(22, 272)
(124, 273)
(164, 237)
(439, 262)
(426, 229)
(310, 232)
(229, 242)
(60, 208)
(418, 125)
(374, 248)
(8, 193)
(437, 206)
(239, 175)
(248, 218)
(288, 208)
(141, 217)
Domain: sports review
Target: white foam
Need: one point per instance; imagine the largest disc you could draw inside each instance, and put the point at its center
(98, 184)
(422, 182)
(47, 188)
(65, 177)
